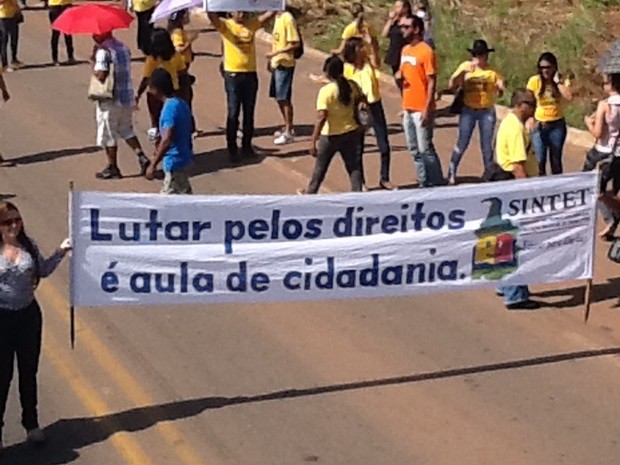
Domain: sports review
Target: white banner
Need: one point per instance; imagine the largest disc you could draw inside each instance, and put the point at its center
(244, 5)
(144, 249)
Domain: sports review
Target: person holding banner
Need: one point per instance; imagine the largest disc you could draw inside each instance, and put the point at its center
(240, 77)
(337, 128)
(516, 160)
(21, 268)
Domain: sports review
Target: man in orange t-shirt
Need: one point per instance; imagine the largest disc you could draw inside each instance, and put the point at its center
(418, 71)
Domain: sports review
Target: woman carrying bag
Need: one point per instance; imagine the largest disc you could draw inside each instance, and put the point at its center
(481, 84)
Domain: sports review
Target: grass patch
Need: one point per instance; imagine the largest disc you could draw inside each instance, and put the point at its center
(518, 35)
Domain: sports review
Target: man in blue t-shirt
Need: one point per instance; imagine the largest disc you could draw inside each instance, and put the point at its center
(175, 129)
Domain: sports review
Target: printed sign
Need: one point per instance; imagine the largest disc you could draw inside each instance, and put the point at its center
(145, 249)
(244, 5)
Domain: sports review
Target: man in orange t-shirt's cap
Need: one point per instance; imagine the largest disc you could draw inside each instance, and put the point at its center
(418, 71)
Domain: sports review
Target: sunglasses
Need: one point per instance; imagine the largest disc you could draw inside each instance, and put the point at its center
(405, 26)
(11, 222)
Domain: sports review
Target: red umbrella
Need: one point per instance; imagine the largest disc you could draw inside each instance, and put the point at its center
(92, 19)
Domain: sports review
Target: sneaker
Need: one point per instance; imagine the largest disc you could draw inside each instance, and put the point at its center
(16, 64)
(71, 61)
(279, 132)
(525, 305)
(55, 63)
(144, 163)
(36, 436)
(387, 185)
(111, 172)
(301, 192)
(284, 138)
(153, 134)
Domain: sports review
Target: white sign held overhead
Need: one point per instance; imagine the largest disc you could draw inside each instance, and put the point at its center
(244, 5)
(149, 249)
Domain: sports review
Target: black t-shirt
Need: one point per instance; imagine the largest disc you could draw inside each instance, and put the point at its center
(392, 55)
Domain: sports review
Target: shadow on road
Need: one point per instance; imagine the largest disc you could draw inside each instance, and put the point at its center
(52, 155)
(575, 296)
(67, 436)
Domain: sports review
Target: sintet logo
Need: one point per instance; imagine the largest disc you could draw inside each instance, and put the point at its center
(495, 252)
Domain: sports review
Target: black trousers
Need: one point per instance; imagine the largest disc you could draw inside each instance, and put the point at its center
(20, 338)
(145, 28)
(9, 32)
(379, 124)
(54, 13)
(348, 146)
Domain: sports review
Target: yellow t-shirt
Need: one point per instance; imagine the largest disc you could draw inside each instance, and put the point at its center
(174, 66)
(143, 5)
(548, 108)
(366, 78)
(480, 86)
(8, 9)
(513, 145)
(180, 40)
(284, 33)
(59, 2)
(340, 118)
(239, 45)
(366, 30)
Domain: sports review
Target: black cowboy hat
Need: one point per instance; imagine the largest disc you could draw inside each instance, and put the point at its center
(480, 47)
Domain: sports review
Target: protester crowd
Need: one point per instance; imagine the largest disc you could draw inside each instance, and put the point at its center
(348, 103)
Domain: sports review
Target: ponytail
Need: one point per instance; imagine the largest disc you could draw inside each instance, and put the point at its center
(345, 94)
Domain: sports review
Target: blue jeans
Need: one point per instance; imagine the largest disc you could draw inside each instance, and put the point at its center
(241, 90)
(548, 140)
(281, 85)
(486, 119)
(514, 294)
(420, 144)
(379, 124)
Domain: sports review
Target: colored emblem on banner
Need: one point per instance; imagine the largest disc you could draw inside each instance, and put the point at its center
(495, 252)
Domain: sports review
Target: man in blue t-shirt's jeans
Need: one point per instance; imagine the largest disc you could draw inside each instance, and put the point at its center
(175, 129)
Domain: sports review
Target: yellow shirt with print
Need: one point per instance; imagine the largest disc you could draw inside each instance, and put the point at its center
(140, 6)
(284, 33)
(366, 78)
(340, 118)
(59, 2)
(479, 86)
(513, 145)
(548, 107)
(174, 66)
(180, 40)
(8, 9)
(239, 45)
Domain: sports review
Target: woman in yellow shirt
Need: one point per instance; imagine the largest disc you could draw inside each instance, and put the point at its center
(336, 128)
(182, 41)
(549, 134)
(364, 30)
(359, 70)
(9, 32)
(481, 84)
(161, 55)
(56, 8)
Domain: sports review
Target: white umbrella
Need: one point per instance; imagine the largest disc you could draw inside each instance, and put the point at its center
(167, 7)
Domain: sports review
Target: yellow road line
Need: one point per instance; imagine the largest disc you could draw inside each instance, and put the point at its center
(120, 374)
(129, 449)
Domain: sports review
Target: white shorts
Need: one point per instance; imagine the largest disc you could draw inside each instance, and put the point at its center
(113, 121)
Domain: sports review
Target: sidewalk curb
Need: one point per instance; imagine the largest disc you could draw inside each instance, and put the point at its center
(576, 137)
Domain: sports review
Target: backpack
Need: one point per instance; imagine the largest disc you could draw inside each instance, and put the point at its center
(299, 51)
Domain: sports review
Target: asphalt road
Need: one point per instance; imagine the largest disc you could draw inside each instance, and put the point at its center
(438, 379)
